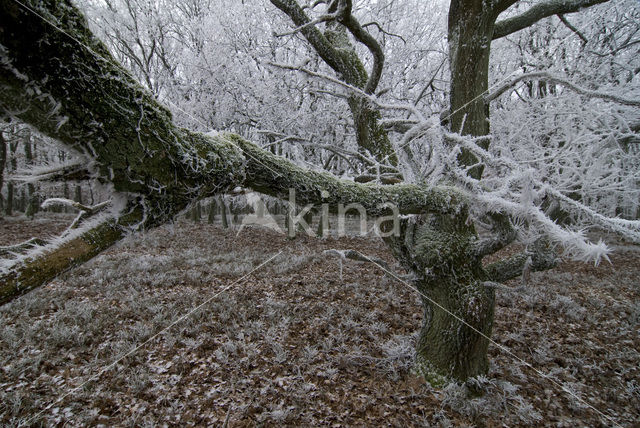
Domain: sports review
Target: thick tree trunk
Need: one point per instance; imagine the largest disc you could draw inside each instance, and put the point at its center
(470, 33)
(458, 308)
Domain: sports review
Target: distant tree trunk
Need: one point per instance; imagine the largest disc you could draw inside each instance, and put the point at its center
(65, 194)
(196, 213)
(13, 165)
(211, 215)
(22, 204)
(32, 202)
(9, 204)
(78, 194)
(223, 212)
(3, 163)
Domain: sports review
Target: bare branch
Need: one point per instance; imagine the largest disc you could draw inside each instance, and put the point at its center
(571, 27)
(383, 31)
(323, 18)
(355, 90)
(74, 171)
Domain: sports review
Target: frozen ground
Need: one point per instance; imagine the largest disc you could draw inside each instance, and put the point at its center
(294, 344)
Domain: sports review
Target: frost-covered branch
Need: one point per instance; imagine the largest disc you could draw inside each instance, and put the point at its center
(319, 20)
(518, 193)
(353, 89)
(12, 250)
(503, 234)
(73, 171)
(560, 81)
(42, 263)
(541, 257)
(537, 12)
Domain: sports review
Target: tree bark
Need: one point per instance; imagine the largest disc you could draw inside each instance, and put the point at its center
(540, 11)
(458, 308)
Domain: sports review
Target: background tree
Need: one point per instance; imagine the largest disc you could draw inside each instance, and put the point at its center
(3, 161)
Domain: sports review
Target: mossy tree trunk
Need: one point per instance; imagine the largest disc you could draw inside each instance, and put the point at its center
(458, 308)
(441, 249)
(13, 165)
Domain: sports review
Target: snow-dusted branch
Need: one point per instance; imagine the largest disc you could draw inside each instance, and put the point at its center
(542, 75)
(541, 256)
(537, 12)
(353, 89)
(72, 171)
(319, 20)
(12, 250)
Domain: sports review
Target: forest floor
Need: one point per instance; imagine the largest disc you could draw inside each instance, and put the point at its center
(182, 326)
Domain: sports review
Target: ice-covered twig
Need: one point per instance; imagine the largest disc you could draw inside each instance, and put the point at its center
(84, 210)
(354, 90)
(71, 171)
(20, 248)
(324, 18)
